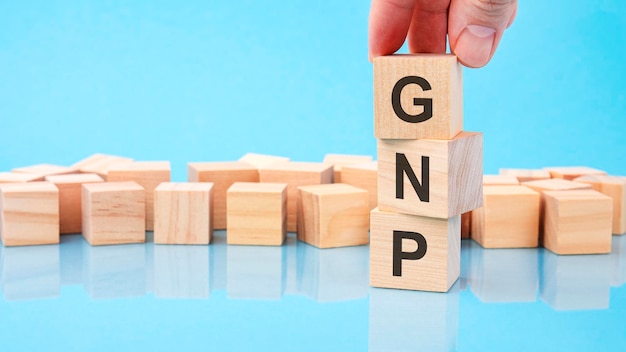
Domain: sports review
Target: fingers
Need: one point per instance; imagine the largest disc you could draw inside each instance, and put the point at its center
(475, 28)
(429, 26)
(388, 25)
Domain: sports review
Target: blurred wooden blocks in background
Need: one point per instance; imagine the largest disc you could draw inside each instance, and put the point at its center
(257, 213)
(113, 213)
(614, 187)
(148, 174)
(261, 160)
(509, 218)
(29, 213)
(333, 215)
(555, 184)
(577, 222)
(414, 252)
(572, 172)
(296, 174)
(182, 213)
(524, 175)
(16, 177)
(99, 164)
(222, 175)
(430, 177)
(418, 96)
(466, 224)
(338, 161)
(70, 188)
(43, 170)
(364, 175)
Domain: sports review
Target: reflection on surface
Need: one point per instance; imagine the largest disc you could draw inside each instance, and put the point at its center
(618, 261)
(181, 271)
(218, 256)
(466, 262)
(30, 272)
(413, 321)
(71, 260)
(575, 282)
(291, 284)
(255, 272)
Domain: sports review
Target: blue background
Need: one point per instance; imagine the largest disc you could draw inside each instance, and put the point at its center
(211, 80)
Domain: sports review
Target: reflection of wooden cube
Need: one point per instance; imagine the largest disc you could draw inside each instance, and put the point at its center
(363, 176)
(614, 187)
(29, 213)
(524, 175)
(183, 213)
(338, 161)
(71, 217)
(509, 218)
(577, 222)
(572, 172)
(43, 170)
(99, 164)
(256, 213)
(333, 215)
(113, 213)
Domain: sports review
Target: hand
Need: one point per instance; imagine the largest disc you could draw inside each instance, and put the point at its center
(474, 27)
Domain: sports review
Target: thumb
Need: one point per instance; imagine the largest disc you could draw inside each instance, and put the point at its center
(476, 26)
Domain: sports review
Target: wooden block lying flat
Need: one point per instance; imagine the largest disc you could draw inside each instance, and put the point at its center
(509, 218)
(113, 213)
(614, 187)
(70, 209)
(148, 174)
(500, 180)
(99, 164)
(296, 174)
(524, 175)
(257, 213)
(333, 215)
(577, 222)
(29, 213)
(222, 175)
(340, 160)
(261, 160)
(364, 176)
(429, 177)
(572, 172)
(418, 96)
(182, 213)
(43, 170)
(16, 177)
(414, 252)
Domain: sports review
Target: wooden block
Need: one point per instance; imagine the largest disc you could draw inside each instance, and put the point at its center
(222, 175)
(340, 160)
(418, 96)
(113, 213)
(524, 175)
(43, 170)
(256, 213)
(466, 224)
(577, 222)
(15, 177)
(70, 209)
(261, 160)
(414, 252)
(364, 176)
(182, 213)
(296, 174)
(614, 187)
(500, 180)
(509, 218)
(572, 172)
(148, 174)
(29, 213)
(99, 164)
(429, 177)
(333, 215)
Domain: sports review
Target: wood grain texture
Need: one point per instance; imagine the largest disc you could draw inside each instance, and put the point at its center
(444, 74)
(148, 174)
(340, 160)
(365, 176)
(29, 213)
(182, 213)
(333, 215)
(500, 180)
(572, 172)
(436, 271)
(466, 224)
(16, 177)
(70, 208)
(222, 175)
(509, 218)
(455, 173)
(614, 187)
(577, 222)
(296, 174)
(43, 170)
(261, 160)
(257, 213)
(113, 213)
(524, 175)
(99, 164)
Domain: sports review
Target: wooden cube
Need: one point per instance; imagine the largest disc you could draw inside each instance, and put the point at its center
(333, 215)
(577, 222)
(340, 160)
(296, 174)
(222, 175)
(572, 172)
(261, 160)
(414, 252)
(430, 177)
(148, 174)
(43, 170)
(256, 213)
(524, 175)
(466, 224)
(182, 213)
(99, 164)
(70, 209)
(113, 213)
(509, 218)
(29, 213)
(363, 176)
(614, 187)
(418, 96)
(16, 177)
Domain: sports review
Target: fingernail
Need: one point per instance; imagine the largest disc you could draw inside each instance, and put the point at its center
(475, 45)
